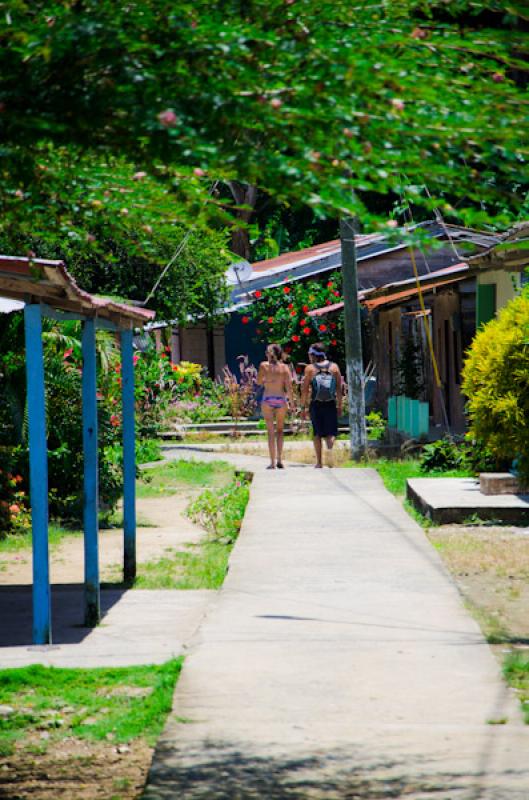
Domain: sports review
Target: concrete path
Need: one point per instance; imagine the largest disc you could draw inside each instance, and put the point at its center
(338, 661)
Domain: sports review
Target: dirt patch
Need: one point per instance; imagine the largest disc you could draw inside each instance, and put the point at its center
(168, 529)
(74, 769)
(299, 452)
(490, 565)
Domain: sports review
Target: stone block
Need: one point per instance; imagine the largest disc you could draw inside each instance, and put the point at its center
(499, 483)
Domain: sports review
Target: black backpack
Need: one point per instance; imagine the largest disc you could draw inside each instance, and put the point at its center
(324, 385)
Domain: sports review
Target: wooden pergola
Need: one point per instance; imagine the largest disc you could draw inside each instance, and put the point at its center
(48, 290)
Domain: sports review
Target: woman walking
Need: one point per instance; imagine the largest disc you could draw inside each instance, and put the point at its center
(274, 376)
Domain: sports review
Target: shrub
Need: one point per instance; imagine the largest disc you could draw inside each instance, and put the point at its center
(376, 425)
(496, 382)
(442, 455)
(461, 453)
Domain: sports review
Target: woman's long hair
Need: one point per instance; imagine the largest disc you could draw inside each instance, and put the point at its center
(274, 353)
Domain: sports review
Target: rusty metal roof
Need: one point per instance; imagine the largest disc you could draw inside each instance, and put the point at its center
(400, 289)
(37, 280)
(325, 257)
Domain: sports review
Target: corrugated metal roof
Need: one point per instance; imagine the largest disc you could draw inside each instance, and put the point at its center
(327, 256)
(8, 306)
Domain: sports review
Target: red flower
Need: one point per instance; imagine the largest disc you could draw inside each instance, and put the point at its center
(330, 285)
(67, 353)
(332, 325)
(336, 294)
(306, 331)
(245, 320)
(270, 320)
(114, 420)
(322, 327)
(287, 349)
(290, 305)
(293, 313)
(286, 289)
(333, 342)
(328, 302)
(295, 338)
(135, 359)
(163, 355)
(305, 309)
(257, 294)
(303, 321)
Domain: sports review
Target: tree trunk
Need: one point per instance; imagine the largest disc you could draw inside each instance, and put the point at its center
(244, 194)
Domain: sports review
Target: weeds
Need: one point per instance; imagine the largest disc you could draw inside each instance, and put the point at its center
(204, 565)
(516, 672)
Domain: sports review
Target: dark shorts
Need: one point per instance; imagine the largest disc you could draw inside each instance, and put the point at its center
(324, 418)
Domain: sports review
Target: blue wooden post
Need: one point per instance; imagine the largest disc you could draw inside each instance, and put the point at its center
(129, 457)
(91, 479)
(38, 468)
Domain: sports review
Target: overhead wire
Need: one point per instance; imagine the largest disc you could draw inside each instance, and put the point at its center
(181, 246)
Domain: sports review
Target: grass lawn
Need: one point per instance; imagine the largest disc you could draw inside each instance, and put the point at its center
(117, 704)
(173, 476)
(81, 732)
(14, 542)
(396, 473)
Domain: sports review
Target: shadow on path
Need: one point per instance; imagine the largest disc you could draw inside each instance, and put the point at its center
(67, 613)
(221, 773)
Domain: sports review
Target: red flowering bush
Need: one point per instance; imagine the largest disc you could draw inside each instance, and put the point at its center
(14, 513)
(282, 316)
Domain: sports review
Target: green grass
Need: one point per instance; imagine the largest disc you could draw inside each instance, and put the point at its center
(172, 476)
(203, 565)
(395, 473)
(516, 672)
(119, 703)
(14, 542)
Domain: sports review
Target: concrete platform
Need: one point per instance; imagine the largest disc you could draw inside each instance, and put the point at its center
(445, 500)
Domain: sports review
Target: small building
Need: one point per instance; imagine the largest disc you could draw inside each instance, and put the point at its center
(456, 300)
(382, 258)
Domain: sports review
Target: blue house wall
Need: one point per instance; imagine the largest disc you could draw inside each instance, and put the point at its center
(242, 340)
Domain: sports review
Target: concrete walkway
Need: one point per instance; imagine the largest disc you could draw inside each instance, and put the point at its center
(338, 661)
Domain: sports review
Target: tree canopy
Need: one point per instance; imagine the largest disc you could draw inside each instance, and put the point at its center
(346, 107)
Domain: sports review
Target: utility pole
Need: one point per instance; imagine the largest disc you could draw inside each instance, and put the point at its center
(353, 341)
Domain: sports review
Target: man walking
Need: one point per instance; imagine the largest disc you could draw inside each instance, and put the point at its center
(323, 380)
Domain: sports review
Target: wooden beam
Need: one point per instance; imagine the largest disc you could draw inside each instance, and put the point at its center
(38, 467)
(91, 481)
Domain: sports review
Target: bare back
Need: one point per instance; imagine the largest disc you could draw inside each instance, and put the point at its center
(275, 378)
